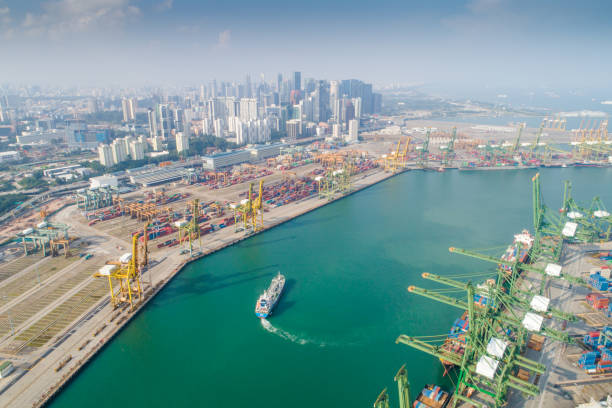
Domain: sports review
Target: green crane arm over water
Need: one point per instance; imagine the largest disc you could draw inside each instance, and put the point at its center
(430, 349)
(464, 305)
(525, 267)
(504, 297)
(458, 303)
(403, 387)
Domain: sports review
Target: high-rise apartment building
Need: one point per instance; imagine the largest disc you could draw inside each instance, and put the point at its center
(182, 142)
(129, 109)
(137, 150)
(353, 130)
(105, 155)
(157, 144)
(119, 151)
(248, 109)
(294, 127)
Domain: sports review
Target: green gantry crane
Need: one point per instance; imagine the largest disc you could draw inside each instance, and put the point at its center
(495, 336)
(449, 152)
(403, 391)
(602, 219)
(586, 230)
(547, 226)
(423, 156)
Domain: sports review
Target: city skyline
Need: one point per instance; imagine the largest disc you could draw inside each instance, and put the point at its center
(480, 42)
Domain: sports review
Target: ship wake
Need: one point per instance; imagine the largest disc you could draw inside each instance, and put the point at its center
(288, 336)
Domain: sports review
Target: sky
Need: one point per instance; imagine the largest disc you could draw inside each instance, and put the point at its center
(174, 42)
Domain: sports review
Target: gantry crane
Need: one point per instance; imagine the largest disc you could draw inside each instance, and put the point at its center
(516, 145)
(586, 230)
(547, 226)
(335, 181)
(449, 150)
(189, 232)
(423, 155)
(497, 331)
(245, 213)
(536, 143)
(602, 219)
(391, 161)
(403, 391)
(127, 274)
(257, 210)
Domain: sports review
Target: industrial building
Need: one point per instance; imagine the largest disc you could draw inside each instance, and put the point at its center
(226, 159)
(261, 152)
(9, 156)
(158, 175)
(103, 181)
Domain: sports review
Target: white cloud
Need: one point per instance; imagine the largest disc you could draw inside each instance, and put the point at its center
(224, 39)
(164, 5)
(4, 11)
(62, 17)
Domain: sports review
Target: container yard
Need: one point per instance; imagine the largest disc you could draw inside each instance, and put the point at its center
(70, 279)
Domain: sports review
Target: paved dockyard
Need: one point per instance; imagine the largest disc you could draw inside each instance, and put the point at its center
(561, 359)
(66, 318)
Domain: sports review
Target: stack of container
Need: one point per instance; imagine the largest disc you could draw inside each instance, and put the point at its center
(481, 301)
(460, 326)
(599, 282)
(605, 361)
(588, 361)
(592, 339)
(598, 301)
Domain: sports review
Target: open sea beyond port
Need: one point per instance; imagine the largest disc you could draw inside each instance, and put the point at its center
(330, 341)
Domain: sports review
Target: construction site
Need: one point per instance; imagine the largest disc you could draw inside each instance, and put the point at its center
(76, 270)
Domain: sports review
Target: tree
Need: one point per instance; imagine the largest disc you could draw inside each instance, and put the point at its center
(9, 201)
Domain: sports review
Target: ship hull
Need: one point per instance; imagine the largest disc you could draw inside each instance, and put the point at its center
(268, 300)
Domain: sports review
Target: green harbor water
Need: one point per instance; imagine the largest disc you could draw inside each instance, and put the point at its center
(331, 340)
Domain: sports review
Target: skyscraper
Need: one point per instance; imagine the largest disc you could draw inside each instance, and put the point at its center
(152, 123)
(165, 120)
(297, 80)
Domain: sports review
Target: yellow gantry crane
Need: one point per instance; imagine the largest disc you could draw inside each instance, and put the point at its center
(403, 156)
(127, 276)
(392, 158)
(396, 159)
(257, 210)
(249, 212)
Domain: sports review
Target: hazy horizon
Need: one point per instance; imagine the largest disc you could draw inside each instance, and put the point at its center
(479, 43)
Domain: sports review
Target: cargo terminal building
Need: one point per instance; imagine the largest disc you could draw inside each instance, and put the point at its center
(251, 154)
